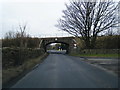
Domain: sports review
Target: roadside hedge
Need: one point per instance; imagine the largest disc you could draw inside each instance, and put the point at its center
(108, 42)
(17, 56)
(100, 51)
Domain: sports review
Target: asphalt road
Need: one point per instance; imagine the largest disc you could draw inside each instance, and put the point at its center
(56, 51)
(62, 71)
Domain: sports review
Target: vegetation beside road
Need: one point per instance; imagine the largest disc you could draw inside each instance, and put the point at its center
(97, 55)
(12, 57)
(13, 72)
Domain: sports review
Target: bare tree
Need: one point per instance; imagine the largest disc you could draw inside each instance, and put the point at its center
(10, 35)
(118, 31)
(87, 19)
(110, 32)
(22, 34)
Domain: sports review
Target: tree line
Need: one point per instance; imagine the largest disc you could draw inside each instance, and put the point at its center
(102, 42)
(28, 42)
(20, 39)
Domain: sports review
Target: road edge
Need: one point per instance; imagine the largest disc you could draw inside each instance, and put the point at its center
(13, 80)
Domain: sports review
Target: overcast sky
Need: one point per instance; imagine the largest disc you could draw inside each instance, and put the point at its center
(40, 15)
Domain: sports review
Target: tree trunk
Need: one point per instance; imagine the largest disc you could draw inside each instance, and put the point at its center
(93, 40)
(21, 52)
(90, 42)
(87, 43)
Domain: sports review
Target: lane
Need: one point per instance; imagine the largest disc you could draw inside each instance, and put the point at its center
(62, 71)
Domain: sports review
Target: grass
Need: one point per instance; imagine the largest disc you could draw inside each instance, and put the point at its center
(13, 72)
(97, 55)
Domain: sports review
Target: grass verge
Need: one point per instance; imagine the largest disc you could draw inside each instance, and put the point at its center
(13, 72)
(97, 55)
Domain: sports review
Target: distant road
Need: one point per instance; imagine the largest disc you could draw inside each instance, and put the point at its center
(62, 71)
(57, 51)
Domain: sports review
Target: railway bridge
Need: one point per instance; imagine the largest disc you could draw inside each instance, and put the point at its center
(68, 41)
